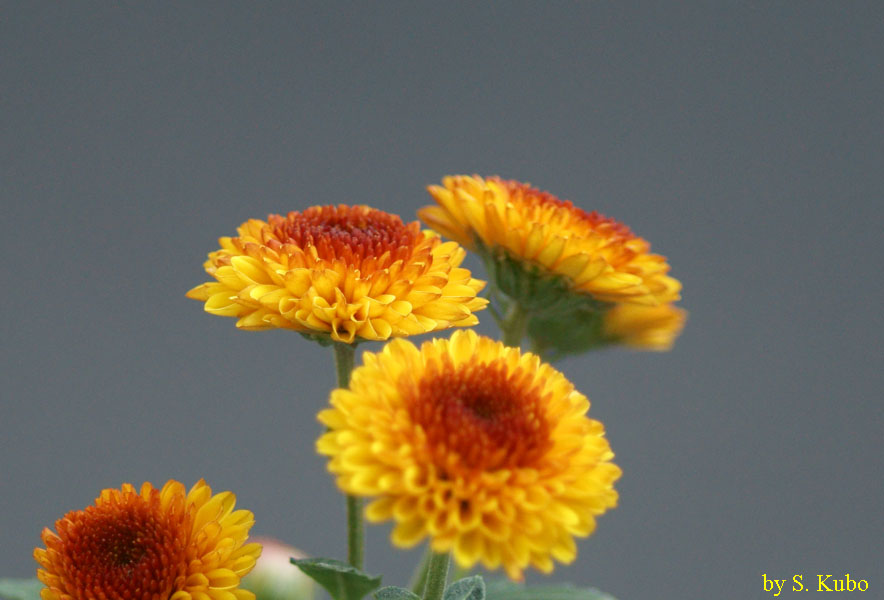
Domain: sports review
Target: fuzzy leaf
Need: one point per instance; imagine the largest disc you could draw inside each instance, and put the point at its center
(395, 593)
(20, 589)
(506, 590)
(341, 580)
(469, 588)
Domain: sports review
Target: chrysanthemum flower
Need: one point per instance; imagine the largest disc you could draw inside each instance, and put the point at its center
(510, 220)
(347, 272)
(164, 544)
(644, 327)
(483, 449)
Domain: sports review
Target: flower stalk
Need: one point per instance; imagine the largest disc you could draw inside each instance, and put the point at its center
(514, 325)
(345, 355)
(355, 532)
(437, 576)
(419, 579)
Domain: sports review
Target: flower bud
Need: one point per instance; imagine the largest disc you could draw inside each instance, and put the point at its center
(275, 577)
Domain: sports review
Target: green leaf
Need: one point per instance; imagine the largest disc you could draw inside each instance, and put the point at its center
(341, 580)
(395, 593)
(506, 590)
(469, 588)
(20, 589)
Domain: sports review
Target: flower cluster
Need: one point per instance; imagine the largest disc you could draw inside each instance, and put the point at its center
(482, 449)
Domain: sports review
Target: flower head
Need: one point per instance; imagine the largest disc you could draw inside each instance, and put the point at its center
(165, 544)
(348, 273)
(486, 450)
(591, 254)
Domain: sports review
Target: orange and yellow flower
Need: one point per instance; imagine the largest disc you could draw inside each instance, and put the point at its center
(644, 327)
(166, 544)
(595, 255)
(484, 449)
(347, 272)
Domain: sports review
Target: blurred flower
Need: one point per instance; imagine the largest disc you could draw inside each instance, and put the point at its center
(275, 577)
(486, 450)
(638, 327)
(347, 273)
(644, 327)
(154, 545)
(509, 219)
(560, 269)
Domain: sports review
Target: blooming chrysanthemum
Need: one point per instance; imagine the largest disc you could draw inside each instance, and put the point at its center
(348, 272)
(644, 327)
(596, 255)
(486, 450)
(166, 544)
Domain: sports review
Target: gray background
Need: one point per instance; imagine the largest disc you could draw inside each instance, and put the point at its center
(744, 140)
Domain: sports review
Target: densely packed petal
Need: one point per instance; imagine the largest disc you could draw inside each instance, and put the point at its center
(347, 272)
(150, 544)
(564, 267)
(480, 447)
(598, 255)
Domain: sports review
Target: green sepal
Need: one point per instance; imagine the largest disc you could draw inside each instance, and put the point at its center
(395, 593)
(573, 332)
(323, 339)
(342, 581)
(20, 589)
(561, 320)
(537, 290)
(507, 590)
(468, 588)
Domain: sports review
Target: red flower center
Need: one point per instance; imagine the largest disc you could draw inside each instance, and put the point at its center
(532, 197)
(353, 234)
(126, 548)
(480, 417)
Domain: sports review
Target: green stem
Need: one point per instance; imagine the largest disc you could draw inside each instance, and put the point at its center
(345, 355)
(355, 532)
(437, 576)
(460, 572)
(419, 580)
(514, 325)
